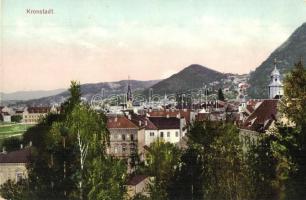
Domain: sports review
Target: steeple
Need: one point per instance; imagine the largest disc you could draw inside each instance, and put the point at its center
(129, 91)
(275, 86)
(129, 96)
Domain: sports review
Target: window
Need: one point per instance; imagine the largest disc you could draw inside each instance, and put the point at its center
(161, 134)
(18, 176)
(168, 134)
(151, 134)
(123, 137)
(176, 134)
(132, 137)
(123, 148)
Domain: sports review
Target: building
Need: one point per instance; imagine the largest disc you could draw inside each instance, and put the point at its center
(32, 115)
(262, 116)
(126, 137)
(275, 86)
(137, 184)
(169, 129)
(13, 165)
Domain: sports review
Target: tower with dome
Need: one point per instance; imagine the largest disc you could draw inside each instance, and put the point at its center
(275, 87)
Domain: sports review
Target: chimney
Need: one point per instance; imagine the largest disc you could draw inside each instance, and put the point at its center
(146, 123)
(140, 123)
(129, 116)
(116, 119)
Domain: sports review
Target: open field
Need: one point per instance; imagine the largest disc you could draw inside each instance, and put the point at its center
(12, 130)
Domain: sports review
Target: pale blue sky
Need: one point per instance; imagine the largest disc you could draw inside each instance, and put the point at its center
(105, 40)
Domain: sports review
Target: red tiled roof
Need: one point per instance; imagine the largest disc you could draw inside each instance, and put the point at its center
(39, 109)
(20, 156)
(120, 122)
(171, 113)
(145, 122)
(165, 122)
(266, 111)
(136, 179)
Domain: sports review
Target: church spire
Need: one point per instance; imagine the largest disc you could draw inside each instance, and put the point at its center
(129, 91)
(275, 86)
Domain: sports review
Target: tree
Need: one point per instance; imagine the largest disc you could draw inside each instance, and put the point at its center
(68, 159)
(220, 95)
(188, 179)
(213, 165)
(269, 163)
(293, 107)
(161, 159)
(11, 143)
(16, 118)
(294, 99)
(15, 191)
(107, 178)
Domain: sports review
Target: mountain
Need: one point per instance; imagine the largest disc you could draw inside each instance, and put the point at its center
(286, 55)
(26, 95)
(191, 77)
(91, 89)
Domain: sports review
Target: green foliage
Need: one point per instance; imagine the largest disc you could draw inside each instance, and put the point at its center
(213, 166)
(15, 191)
(11, 143)
(56, 170)
(294, 99)
(161, 159)
(293, 107)
(220, 95)
(16, 118)
(106, 179)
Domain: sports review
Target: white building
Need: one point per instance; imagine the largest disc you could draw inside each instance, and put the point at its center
(168, 129)
(275, 86)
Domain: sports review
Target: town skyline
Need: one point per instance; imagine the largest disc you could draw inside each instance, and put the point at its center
(107, 41)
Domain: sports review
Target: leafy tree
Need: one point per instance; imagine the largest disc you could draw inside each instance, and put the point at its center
(106, 179)
(16, 118)
(220, 95)
(294, 100)
(213, 165)
(11, 143)
(293, 107)
(269, 164)
(188, 179)
(15, 191)
(161, 159)
(68, 159)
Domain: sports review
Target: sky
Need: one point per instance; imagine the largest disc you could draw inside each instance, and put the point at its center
(109, 40)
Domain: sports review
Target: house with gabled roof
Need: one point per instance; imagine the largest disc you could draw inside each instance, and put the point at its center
(13, 165)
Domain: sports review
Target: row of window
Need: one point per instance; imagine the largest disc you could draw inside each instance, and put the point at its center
(30, 120)
(123, 137)
(161, 134)
(32, 116)
(123, 148)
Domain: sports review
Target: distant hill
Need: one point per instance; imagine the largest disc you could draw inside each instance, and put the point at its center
(286, 55)
(26, 95)
(90, 89)
(192, 77)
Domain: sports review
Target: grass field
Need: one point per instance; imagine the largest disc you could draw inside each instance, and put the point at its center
(12, 130)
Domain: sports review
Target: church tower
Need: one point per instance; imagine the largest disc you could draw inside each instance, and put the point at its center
(275, 86)
(129, 96)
